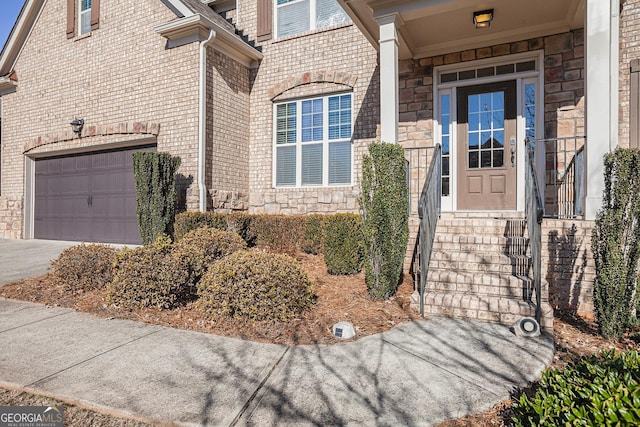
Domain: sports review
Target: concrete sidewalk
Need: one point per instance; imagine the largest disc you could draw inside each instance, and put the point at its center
(418, 373)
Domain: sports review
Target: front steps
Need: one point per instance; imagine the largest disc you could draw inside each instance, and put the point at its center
(480, 270)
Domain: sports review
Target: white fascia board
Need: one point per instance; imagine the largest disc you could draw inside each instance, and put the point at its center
(197, 27)
(19, 35)
(7, 85)
(180, 7)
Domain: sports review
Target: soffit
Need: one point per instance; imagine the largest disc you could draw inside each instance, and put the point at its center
(432, 27)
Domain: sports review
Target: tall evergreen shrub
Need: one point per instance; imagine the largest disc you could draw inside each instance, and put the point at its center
(385, 218)
(154, 175)
(616, 243)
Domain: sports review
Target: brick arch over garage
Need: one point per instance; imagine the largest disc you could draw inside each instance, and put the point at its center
(127, 130)
(312, 77)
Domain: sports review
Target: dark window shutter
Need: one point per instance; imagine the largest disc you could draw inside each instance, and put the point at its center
(634, 105)
(71, 18)
(95, 15)
(265, 19)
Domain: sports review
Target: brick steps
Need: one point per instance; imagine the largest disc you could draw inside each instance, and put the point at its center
(480, 269)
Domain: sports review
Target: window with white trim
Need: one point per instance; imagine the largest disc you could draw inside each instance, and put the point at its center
(299, 16)
(84, 23)
(313, 141)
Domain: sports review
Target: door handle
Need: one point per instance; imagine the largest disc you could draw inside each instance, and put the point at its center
(513, 157)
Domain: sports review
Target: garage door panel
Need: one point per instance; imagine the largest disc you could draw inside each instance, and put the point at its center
(87, 197)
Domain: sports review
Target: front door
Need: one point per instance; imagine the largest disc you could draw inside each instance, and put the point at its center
(487, 147)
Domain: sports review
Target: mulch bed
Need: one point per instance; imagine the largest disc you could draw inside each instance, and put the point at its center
(338, 298)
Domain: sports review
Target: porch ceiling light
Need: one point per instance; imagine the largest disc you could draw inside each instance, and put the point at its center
(76, 126)
(483, 18)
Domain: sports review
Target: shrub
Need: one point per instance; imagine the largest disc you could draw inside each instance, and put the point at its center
(238, 222)
(313, 234)
(342, 246)
(594, 391)
(385, 218)
(150, 276)
(279, 233)
(616, 243)
(83, 267)
(255, 285)
(154, 175)
(188, 221)
(201, 247)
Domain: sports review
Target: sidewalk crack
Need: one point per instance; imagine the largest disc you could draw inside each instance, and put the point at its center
(35, 383)
(257, 390)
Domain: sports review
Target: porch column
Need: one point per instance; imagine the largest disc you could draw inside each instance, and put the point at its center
(389, 94)
(601, 95)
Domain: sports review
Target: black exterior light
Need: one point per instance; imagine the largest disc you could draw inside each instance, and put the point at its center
(76, 126)
(483, 18)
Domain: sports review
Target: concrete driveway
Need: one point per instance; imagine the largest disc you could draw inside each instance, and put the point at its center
(27, 258)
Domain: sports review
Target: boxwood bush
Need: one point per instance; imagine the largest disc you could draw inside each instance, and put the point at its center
(150, 276)
(83, 267)
(594, 391)
(199, 248)
(343, 244)
(255, 285)
(313, 234)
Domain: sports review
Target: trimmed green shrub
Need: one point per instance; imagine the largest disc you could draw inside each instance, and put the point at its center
(385, 218)
(616, 244)
(255, 285)
(594, 391)
(83, 267)
(199, 248)
(343, 244)
(188, 221)
(154, 175)
(237, 222)
(313, 235)
(150, 276)
(279, 233)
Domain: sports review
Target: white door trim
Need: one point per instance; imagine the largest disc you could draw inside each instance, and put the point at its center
(521, 78)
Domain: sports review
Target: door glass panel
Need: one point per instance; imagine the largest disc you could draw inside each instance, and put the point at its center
(530, 110)
(445, 131)
(485, 133)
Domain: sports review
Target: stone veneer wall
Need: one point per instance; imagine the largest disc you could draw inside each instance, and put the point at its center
(314, 63)
(629, 50)
(228, 114)
(563, 99)
(11, 217)
(568, 266)
(108, 77)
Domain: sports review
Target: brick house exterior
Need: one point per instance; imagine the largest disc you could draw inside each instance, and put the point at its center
(207, 80)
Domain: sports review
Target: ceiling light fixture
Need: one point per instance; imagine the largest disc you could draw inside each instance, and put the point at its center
(483, 18)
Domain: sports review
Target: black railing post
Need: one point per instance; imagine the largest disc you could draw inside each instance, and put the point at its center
(429, 207)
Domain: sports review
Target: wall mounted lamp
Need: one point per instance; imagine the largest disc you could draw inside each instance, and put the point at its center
(76, 126)
(483, 18)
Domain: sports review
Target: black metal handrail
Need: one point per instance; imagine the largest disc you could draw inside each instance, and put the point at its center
(429, 206)
(534, 212)
(564, 183)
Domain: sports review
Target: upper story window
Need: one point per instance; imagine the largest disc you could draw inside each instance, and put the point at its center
(299, 16)
(84, 23)
(313, 141)
(83, 17)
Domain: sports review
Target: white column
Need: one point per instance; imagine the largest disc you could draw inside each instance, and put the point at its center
(601, 81)
(389, 94)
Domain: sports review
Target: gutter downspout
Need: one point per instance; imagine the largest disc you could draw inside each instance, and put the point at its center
(202, 124)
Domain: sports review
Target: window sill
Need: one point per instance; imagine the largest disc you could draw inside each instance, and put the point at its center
(82, 37)
(311, 33)
(314, 187)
